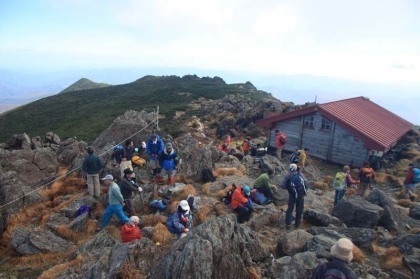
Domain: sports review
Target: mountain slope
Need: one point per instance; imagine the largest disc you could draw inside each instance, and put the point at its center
(84, 114)
(84, 84)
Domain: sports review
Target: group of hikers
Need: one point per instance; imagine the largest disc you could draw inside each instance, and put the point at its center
(163, 161)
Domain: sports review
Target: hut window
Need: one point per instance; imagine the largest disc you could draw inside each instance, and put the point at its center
(309, 121)
(325, 125)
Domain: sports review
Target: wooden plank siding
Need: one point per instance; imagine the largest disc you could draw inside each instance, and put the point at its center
(336, 145)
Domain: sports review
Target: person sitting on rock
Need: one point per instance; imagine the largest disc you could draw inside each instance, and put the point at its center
(169, 160)
(342, 255)
(241, 203)
(262, 184)
(130, 231)
(128, 153)
(128, 186)
(181, 221)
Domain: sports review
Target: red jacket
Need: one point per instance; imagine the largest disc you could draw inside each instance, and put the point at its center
(238, 198)
(409, 178)
(130, 233)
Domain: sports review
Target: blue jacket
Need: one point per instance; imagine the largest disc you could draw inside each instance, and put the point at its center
(179, 225)
(154, 148)
(92, 164)
(114, 195)
(168, 161)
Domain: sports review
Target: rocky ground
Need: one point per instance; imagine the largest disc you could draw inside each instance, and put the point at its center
(43, 236)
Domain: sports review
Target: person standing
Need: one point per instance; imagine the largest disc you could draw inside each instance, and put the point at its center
(169, 160)
(341, 181)
(92, 165)
(294, 183)
(302, 158)
(281, 140)
(262, 184)
(241, 203)
(366, 177)
(154, 148)
(409, 183)
(115, 202)
(127, 155)
(130, 231)
(246, 147)
(127, 187)
(337, 267)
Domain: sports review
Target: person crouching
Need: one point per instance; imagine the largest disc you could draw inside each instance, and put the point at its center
(130, 231)
(241, 203)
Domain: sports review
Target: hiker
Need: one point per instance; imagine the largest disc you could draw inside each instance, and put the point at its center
(180, 222)
(228, 140)
(241, 203)
(341, 181)
(130, 231)
(128, 186)
(154, 149)
(91, 166)
(281, 140)
(224, 148)
(294, 183)
(409, 183)
(337, 267)
(127, 155)
(262, 184)
(246, 146)
(294, 157)
(169, 160)
(116, 203)
(366, 177)
(302, 158)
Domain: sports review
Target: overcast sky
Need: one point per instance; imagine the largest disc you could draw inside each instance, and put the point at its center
(376, 41)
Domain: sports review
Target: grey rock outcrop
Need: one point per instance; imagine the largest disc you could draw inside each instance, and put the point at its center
(357, 212)
(295, 242)
(320, 219)
(360, 236)
(52, 138)
(415, 212)
(216, 249)
(296, 267)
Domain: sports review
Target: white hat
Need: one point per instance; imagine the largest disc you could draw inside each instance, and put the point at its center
(134, 220)
(343, 249)
(184, 205)
(108, 177)
(143, 144)
(293, 167)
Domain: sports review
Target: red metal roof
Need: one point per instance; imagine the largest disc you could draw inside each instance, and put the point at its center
(378, 127)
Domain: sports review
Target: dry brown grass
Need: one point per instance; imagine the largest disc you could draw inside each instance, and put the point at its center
(414, 231)
(405, 203)
(114, 231)
(275, 219)
(227, 171)
(67, 202)
(351, 192)
(173, 205)
(161, 234)
(185, 192)
(376, 249)
(184, 179)
(58, 269)
(202, 215)
(66, 233)
(152, 220)
(393, 259)
(128, 271)
(254, 272)
(328, 179)
(220, 209)
(205, 188)
(381, 177)
(222, 193)
(38, 260)
(321, 185)
(358, 255)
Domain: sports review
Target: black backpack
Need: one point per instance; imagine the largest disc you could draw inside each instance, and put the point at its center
(334, 273)
(207, 176)
(228, 198)
(294, 157)
(298, 183)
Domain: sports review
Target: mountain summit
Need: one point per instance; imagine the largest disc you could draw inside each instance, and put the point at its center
(84, 84)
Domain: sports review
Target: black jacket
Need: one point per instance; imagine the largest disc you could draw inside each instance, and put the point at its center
(334, 263)
(128, 187)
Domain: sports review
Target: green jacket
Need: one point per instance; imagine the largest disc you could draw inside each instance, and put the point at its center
(262, 181)
(114, 194)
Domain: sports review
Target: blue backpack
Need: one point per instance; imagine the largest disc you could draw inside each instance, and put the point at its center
(416, 177)
(170, 224)
(297, 183)
(260, 198)
(118, 152)
(83, 209)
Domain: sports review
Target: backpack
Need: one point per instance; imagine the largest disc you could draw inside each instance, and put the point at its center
(193, 202)
(170, 223)
(297, 183)
(118, 152)
(228, 198)
(294, 157)
(260, 198)
(334, 273)
(366, 175)
(207, 176)
(416, 177)
(83, 209)
(339, 182)
(158, 205)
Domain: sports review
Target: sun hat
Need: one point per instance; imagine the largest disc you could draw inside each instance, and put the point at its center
(247, 190)
(343, 249)
(292, 167)
(134, 220)
(184, 205)
(108, 177)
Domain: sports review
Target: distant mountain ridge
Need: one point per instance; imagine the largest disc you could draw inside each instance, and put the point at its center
(86, 113)
(84, 84)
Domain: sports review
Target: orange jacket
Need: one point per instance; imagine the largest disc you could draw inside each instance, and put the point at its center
(245, 146)
(238, 198)
(130, 233)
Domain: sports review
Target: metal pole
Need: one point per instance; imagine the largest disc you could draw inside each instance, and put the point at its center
(157, 119)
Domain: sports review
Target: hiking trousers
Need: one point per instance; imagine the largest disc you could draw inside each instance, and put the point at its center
(112, 209)
(339, 194)
(244, 213)
(363, 187)
(297, 201)
(267, 192)
(94, 186)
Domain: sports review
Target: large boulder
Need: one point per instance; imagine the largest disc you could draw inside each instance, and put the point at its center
(52, 138)
(415, 212)
(295, 242)
(216, 249)
(20, 141)
(357, 212)
(360, 237)
(320, 219)
(296, 267)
